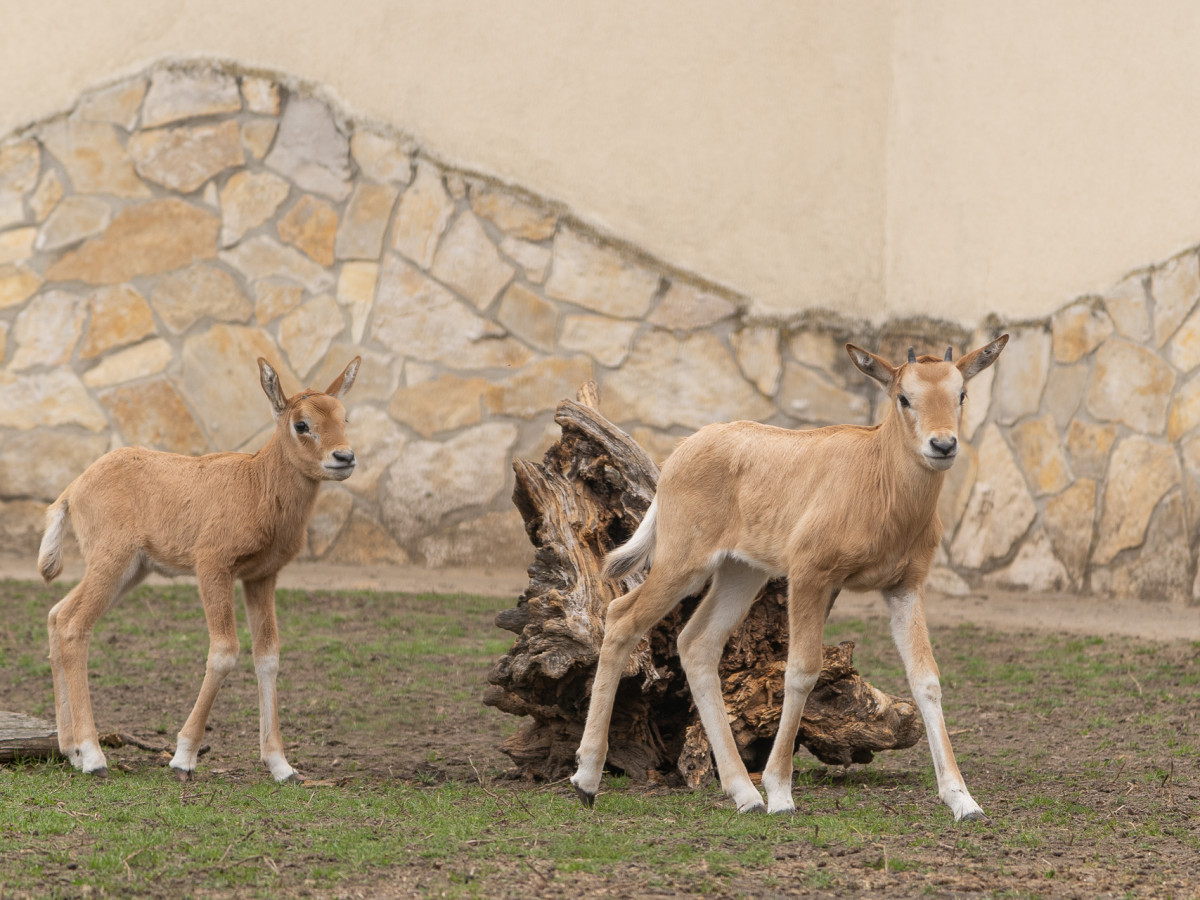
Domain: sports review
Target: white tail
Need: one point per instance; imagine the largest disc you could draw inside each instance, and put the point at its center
(843, 506)
(224, 516)
(635, 552)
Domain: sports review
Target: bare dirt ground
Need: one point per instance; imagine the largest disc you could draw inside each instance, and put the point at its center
(1072, 759)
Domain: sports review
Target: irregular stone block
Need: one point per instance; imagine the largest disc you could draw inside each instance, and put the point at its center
(45, 198)
(416, 317)
(274, 297)
(21, 526)
(1041, 455)
(177, 94)
(1141, 473)
(381, 158)
(1034, 568)
(688, 381)
(808, 396)
(1161, 570)
(261, 257)
(306, 333)
(1128, 305)
(181, 299)
(356, 292)
(422, 215)
(512, 215)
(538, 387)
(258, 135)
(329, 516)
(47, 330)
(183, 159)
(94, 158)
(1079, 329)
(311, 225)
(261, 95)
(148, 358)
(1065, 389)
(147, 239)
(605, 340)
(20, 163)
(445, 404)
(533, 259)
(469, 262)
(152, 414)
(360, 235)
(247, 200)
(687, 308)
(1185, 410)
(1089, 445)
(529, 317)
(1183, 350)
(1132, 385)
(40, 464)
(17, 284)
(16, 245)
(219, 378)
(1021, 374)
(74, 219)
(1069, 520)
(117, 104)
(1175, 288)
(757, 350)
(46, 399)
(377, 441)
(431, 479)
(1190, 451)
(311, 150)
(378, 376)
(493, 539)
(1000, 510)
(364, 542)
(599, 278)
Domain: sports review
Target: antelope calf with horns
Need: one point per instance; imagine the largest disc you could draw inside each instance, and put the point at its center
(223, 516)
(846, 506)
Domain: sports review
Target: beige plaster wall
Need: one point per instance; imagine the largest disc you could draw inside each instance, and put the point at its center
(941, 158)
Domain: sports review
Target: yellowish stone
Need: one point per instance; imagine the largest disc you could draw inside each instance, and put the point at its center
(257, 136)
(356, 292)
(511, 214)
(469, 262)
(311, 225)
(306, 333)
(147, 239)
(381, 158)
(19, 166)
(47, 330)
(262, 257)
(493, 539)
(533, 259)
(45, 198)
(40, 463)
(757, 350)
(1129, 307)
(367, 215)
(1089, 445)
(446, 404)
(1069, 520)
(17, 284)
(538, 387)
(119, 316)
(1141, 473)
(94, 158)
(810, 397)
(16, 245)
(47, 399)
(329, 515)
(1185, 410)
(422, 215)
(181, 299)
(1175, 287)
(261, 95)
(605, 340)
(187, 93)
(275, 297)
(687, 308)
(183, 159)
(1132, 385)
(247, 200)
(1079, 329)
(117, 104)
(529, 316)
(1041, 455)
(599, 277)
(149, 358)
(1000, 509)
(1184, 348)
(152, 414)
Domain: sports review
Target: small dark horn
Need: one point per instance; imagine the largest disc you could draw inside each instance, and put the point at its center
(912, 355)
(949, 354)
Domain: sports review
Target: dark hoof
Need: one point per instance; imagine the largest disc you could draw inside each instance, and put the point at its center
(102, 772)
(757, 809)
(977, 816)
(785, 812)
(294, 778)
(588, 800)
(181, 775)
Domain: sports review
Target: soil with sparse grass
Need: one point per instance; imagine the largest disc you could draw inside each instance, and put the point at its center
(1084, 751)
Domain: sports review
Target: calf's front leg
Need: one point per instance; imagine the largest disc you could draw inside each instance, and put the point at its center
(907, 609)
(264, 635)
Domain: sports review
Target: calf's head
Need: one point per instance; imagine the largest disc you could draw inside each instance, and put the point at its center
(312, 425)
(927, 395)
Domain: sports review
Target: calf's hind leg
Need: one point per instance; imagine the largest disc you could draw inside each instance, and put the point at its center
(264, 635)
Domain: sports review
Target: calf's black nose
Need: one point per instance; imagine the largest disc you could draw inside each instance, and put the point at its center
(944, 446)
(345, 457)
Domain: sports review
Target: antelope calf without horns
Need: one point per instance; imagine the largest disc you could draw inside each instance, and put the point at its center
(845, 506)
(223, 517)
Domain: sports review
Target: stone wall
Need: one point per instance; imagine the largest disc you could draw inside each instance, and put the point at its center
(177, 224)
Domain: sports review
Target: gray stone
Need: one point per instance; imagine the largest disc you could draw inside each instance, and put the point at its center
(1021, 374)
(47, 330)
(1132, 385)
(688, 381)
(306, 333)
(533, 259)
(19, 166)
(422, 215)
(47, 399)
(493, 539)
(1183, 350)
(247, 200)
(1035, 568)
(605, 340)
(599, 277)
(376, 440)
(469, 262)
(94, 158)
(177, 94)
(1175, 287)
(1069, 520)
(529, 316)
(1000, 510)
(311, 150)
(1161, 570)
(1065, 390)
(757, 350)
(1129, 307)
(73, 220)
(1089, 445)
(329, 516)
(183, 159)
(1078, 329)
(147, 358)
(511, 214)
(117, 104)
(808, 396)
(431, 479)
(38, 465)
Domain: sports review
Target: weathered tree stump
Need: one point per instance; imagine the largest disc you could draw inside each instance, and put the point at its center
(24, 737)
(588, 495)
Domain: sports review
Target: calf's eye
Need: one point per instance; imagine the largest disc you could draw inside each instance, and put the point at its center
(301, 428)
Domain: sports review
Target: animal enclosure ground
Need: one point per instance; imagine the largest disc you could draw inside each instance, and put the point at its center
(1085, 753)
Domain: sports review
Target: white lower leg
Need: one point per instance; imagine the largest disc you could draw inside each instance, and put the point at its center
(186, 754)
(89, 758)
(269, 739)
(951, 788)
(777, 776)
